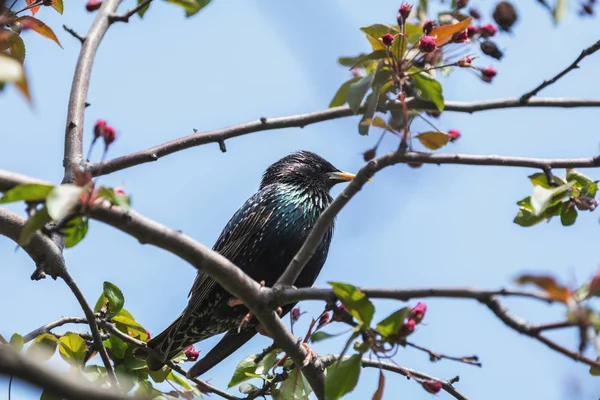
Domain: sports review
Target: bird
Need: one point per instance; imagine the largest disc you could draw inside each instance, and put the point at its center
(261, 238)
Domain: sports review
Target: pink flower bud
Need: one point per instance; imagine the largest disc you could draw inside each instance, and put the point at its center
(488, 30)
(428, 27)
(404, 12)
(93, 5)
(109, 135)
(414, 164)
(191, 353)
(407, 328)
(432, 386)
(461, 37)
(474, 13)
(427, 44)
(465, 62)
(324, 320)
(387, 39)
(369, 154)
(418, 312)
(487, 74)
(472, 30)
(296, 314)
(454, 135)
(99, 128)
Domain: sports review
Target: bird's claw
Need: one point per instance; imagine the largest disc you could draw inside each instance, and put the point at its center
(234, 302)
(310, 355)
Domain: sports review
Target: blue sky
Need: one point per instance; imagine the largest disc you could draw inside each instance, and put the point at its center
(157, 79)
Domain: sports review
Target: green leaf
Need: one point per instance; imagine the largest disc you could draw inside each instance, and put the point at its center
(375, 55)
(540, 179)
(143, 10)
(391, 325)
(160, 375)
(267, 362)
(61, 200)
(370, 108)
(47, 395)
(527, 218)
(26, 192)
(247, 388)
(75, 231)
(342, 377)
(115, 297)
(541, 197)
(115, 198)
(191, 7)
(595, 371)
(35, 222)
(72, 348)
(239, 375)
(295, 387)
(340, 96)
(568, 216)
(433, 140)
(11, 71)
(358, 90)
(130, 327)
(127, 378)
(581, 180)
(58, 6)
(42, 348)
(559, 11)
(429, 88)
(320, 335)
(117, 346)
(180, 380)
(591, 189)
(355, 301)
(102, 300)
(13, 42)
(17, 341)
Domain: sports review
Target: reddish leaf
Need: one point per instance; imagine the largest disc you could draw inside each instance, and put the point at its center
(444, 33)
(33, 9)
(548, 284)
(38, 26)
(58, 6)
(433, 140)
(378, 395)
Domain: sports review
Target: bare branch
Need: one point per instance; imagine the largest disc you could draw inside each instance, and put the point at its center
(54, 324)
(436, 356)
(91, 319)
(284, 295)
(203, 384)
(74, 34)
(586, 52)
(15, 364)
(301, 120)
(408, 372)
(43, 251)
(533, 331)
(73, 153)
(125, 17)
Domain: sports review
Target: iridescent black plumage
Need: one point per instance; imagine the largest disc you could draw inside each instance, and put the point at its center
(261, 238)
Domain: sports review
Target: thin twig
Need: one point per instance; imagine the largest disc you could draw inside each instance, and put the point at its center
(589, 51)
(125, 17)
(126, 338)
(74, 34)
(435, 356)
(54, 324)
(64, 385)
(408, 372)
(91, 319)
(553, 326)
(220, 135)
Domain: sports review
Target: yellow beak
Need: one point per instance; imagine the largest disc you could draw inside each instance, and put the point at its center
(342, 176)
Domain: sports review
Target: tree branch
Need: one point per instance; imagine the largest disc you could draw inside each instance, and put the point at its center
(54, 324)
(125, 17)
(42, 250)
(73, 153)
(586, 52)
(301, 120)
(408, 372)
(15, 364)
(74, 34)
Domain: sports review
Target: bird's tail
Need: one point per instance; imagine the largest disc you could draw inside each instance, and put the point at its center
(168, 344)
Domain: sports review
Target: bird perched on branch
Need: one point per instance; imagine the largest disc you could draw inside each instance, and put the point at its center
(261, 238)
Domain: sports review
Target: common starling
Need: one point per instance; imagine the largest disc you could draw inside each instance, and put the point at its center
(261, 238)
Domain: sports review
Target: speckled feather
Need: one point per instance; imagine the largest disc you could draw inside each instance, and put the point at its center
(261, 238)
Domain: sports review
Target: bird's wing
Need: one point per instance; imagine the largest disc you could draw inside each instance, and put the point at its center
(239, 233)
(228, 344)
